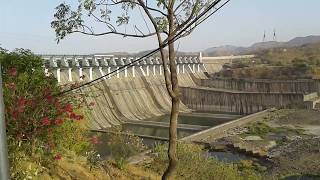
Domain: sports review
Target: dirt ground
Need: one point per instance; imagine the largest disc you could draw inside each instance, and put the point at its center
(299, 154)
(288, 138)
(309, 120)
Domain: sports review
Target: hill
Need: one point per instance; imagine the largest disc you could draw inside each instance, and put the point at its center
(308, 53)
(237, 50)
(297, 62)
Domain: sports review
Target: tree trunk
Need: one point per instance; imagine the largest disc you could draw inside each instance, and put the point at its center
(175, 99)
(173, 160)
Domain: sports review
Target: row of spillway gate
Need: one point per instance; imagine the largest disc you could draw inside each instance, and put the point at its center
(102, 65)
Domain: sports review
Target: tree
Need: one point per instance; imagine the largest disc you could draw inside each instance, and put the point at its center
(170, 19)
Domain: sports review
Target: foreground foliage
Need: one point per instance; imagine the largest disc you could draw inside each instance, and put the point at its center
(118, 145)
(194, 164)
(40, 126)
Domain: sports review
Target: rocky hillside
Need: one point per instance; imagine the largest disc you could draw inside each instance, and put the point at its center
(236, 50)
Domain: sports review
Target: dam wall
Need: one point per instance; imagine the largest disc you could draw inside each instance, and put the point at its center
(260, 85)
(216, 100)
(139, 92)
(130, 94)
(118, 100)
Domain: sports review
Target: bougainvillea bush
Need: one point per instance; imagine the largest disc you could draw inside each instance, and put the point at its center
(40, 125)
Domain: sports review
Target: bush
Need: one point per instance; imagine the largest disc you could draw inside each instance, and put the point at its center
(259, 129)
(120, 145)
(39, 124)
(93, 159)
(194, 163)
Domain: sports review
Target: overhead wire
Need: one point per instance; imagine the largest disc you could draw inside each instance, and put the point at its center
(166, 42)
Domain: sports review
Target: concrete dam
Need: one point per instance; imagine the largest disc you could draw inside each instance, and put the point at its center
(137, 93)
(137, 96)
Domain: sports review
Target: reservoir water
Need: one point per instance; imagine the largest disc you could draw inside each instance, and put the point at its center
(158, 133)
(198, 122)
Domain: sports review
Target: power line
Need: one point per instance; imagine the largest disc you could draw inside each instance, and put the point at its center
(217, 9)
(166, 42)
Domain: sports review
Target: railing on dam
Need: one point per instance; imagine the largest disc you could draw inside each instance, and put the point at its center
(75, 66)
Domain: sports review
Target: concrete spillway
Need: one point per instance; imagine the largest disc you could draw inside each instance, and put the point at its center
(128, 95)
(123, 99)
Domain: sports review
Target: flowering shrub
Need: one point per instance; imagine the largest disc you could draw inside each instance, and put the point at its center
(39, 124)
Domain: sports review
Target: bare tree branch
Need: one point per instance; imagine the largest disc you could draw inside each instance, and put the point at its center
(160, 41)
(130, 1)
(113, 32)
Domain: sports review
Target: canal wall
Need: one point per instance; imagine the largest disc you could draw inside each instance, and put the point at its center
(212, 100)
(304, 86)
(209, 135)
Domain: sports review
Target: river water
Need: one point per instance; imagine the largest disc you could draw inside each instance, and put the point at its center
(200, 119)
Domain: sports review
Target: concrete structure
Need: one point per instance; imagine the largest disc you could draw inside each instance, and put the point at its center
(127, 95)
(75, 66)
(214, 100)
(139, 92)
(209, 135)
(215, 64)
(304, 86)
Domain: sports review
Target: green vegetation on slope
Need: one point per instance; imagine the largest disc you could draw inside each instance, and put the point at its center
(195, 164)
(278, 63)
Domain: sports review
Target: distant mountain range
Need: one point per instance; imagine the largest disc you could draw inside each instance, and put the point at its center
(237, 50)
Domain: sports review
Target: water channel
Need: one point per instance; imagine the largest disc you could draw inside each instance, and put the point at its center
(203, 120)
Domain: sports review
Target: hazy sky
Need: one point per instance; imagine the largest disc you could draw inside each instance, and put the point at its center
(26, 24)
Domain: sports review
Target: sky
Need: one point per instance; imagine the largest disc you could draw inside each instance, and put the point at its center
(26, 24)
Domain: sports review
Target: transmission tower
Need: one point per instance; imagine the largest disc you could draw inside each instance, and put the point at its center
(274, 35)
(264, 36)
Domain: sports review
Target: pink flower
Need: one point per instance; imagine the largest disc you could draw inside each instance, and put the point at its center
(22, 101)
(11, 86)
(12, 71)
(20, 109)
(68, 108)
(49, 98)
(45, 121)
(79, 117)
(58, 122)
(15, 114)
(57, 157)
(95, 140)
(75, 117)
(72, 116)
